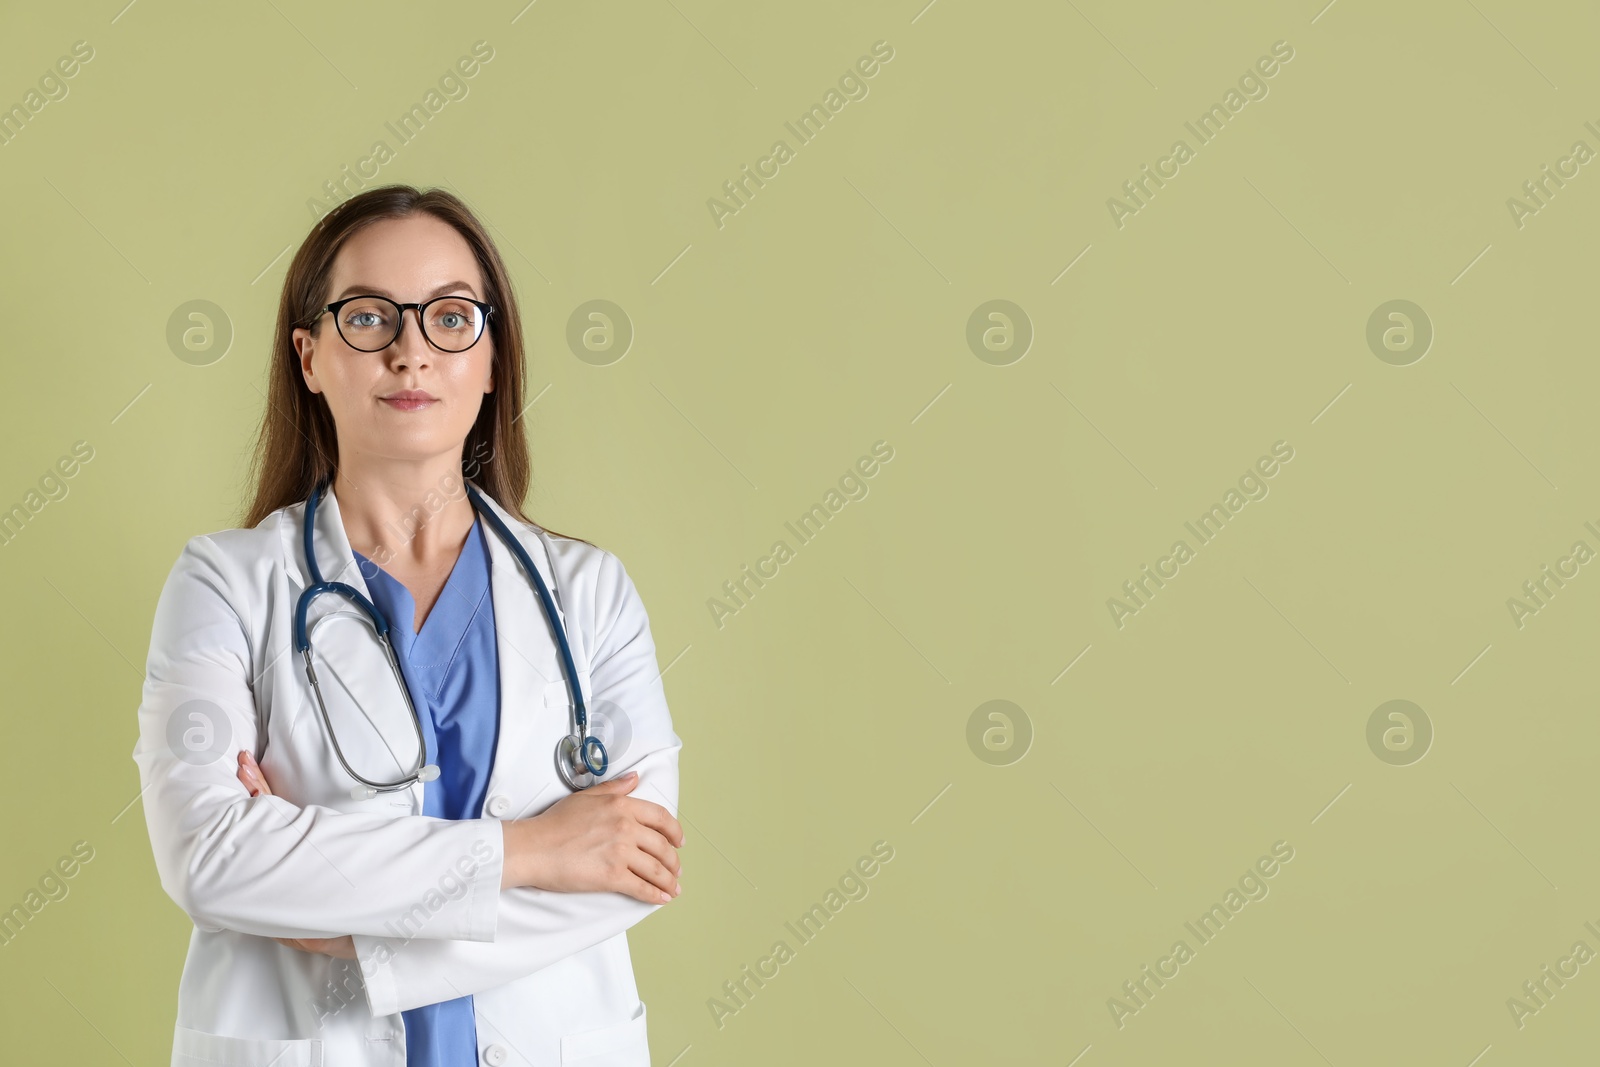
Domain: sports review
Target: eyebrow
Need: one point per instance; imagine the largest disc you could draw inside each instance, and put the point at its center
(364, 289)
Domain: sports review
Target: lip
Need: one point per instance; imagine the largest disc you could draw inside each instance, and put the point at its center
(409, 399)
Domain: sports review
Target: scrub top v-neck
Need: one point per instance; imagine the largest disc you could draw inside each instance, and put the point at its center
(451, 668)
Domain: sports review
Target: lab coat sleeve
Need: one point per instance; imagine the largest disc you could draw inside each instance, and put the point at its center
(538, 927)
(263, 865)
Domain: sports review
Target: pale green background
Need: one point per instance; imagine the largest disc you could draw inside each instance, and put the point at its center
(825, 316)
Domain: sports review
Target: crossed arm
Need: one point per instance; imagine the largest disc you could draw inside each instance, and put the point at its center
(587, 868)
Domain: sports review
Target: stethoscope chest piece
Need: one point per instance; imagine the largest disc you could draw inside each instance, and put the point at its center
(580, 763)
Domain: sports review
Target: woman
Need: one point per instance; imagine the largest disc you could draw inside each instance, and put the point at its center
(421, 887)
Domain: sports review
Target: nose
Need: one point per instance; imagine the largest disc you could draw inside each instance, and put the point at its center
(410, 348)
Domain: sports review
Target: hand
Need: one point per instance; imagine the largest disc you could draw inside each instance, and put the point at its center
(251, 776)
(597, 840)
(343, 948)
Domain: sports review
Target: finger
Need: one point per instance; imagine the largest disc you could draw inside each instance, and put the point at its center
(651, 870)
(258, 776)
(622, 783)
(639, 889)
(659, 819)
(652, 842)
(248, 774)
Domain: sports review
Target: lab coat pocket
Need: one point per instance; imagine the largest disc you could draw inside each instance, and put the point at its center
(624, 1045)
(196, 1048)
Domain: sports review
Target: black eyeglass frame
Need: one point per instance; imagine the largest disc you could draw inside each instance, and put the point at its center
(400, 319)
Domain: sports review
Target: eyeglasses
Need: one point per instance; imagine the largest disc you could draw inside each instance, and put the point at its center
(372, 323)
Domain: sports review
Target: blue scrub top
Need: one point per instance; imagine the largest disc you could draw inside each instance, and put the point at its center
(452, 670)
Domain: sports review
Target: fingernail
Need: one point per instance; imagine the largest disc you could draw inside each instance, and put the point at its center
(665, 898)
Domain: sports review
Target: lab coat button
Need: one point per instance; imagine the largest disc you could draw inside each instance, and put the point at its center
(499, 804)
(494, 1055)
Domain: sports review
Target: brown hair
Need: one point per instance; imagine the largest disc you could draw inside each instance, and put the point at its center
(297, 448)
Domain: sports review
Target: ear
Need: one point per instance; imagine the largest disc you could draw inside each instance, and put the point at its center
(305, 348)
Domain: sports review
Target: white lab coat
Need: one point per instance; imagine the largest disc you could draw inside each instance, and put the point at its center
(550, 974)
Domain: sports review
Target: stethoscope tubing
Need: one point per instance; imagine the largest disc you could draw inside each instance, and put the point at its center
(578, 743)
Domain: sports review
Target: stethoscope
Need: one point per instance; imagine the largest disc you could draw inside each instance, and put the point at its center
(577, 753)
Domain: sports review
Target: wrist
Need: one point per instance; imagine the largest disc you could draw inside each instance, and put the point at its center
(521, 854)
(510, 855)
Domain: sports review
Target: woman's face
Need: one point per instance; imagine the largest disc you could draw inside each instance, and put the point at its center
(410, 259)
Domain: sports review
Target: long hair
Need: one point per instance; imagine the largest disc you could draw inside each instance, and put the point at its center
(296, 446)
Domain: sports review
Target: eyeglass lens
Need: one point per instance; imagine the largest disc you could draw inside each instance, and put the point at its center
(369, 323)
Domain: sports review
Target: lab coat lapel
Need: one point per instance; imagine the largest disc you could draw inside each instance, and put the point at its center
(529, 665)
(328, 540)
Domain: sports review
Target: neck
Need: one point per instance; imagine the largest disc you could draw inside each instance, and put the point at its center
(409, 514)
